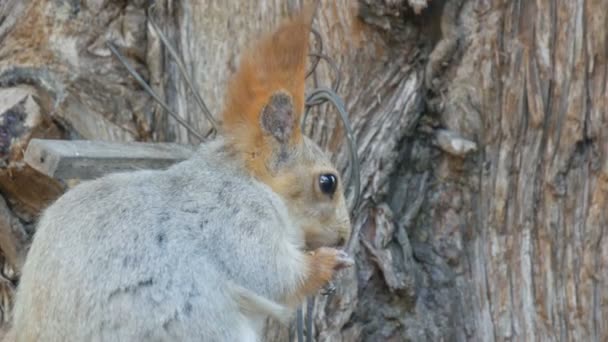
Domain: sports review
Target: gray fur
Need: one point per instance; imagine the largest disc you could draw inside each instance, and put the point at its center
(149, 255)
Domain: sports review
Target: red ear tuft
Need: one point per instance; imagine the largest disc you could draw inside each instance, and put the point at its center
(274, 65)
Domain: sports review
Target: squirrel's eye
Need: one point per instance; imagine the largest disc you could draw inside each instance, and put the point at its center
(328, 183)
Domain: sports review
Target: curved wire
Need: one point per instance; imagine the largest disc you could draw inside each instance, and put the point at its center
(337, 82)
(152, 93)
(318, 97)
(327, 94)
(319, 41)
(182, 70)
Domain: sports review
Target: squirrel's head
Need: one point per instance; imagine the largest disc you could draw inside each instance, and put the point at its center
(262, 115)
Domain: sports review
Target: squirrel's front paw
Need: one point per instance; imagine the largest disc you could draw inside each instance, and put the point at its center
(323, 262)
(328, 260)
(343, 260)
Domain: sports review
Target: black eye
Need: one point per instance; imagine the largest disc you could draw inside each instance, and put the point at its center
(328, 183)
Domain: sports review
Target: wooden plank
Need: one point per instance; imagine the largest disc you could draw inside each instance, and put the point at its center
(83, 159)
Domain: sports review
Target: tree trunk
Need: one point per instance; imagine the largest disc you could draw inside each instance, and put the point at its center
(480, 126)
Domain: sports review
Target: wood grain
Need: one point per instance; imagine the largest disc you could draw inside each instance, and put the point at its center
(84, 159)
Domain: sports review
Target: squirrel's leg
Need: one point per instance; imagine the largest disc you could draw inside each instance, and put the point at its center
(321, 265)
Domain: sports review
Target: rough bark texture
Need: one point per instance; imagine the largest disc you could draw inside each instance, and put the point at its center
(481, 128)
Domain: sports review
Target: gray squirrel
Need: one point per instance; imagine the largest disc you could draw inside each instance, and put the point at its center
(209, 248)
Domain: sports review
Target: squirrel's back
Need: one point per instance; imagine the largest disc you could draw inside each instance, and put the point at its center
(150, 249)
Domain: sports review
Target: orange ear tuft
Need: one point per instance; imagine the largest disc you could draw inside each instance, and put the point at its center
(271, 77)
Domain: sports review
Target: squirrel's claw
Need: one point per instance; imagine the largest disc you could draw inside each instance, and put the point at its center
(329, 289)
(343, 260)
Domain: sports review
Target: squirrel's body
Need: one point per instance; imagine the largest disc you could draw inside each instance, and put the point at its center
(205, 250)
(168, 262)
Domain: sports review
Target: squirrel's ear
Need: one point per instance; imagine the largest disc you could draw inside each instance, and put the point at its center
(277, 117)
(265, 97)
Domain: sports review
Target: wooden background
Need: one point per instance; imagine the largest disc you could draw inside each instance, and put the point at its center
(481, 127)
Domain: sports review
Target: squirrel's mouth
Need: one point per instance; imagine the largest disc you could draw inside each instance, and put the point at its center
(314, 241)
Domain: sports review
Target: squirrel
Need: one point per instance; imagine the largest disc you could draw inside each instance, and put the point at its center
(210, 247)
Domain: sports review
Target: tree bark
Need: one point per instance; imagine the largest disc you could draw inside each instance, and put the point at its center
(480, 126)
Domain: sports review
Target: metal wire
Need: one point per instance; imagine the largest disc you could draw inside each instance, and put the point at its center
(310, 303)
(152, 93)
(337, 81)
(316, 98)
(319, 41)
(299, 325)
(355, 173)
(182, 70)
